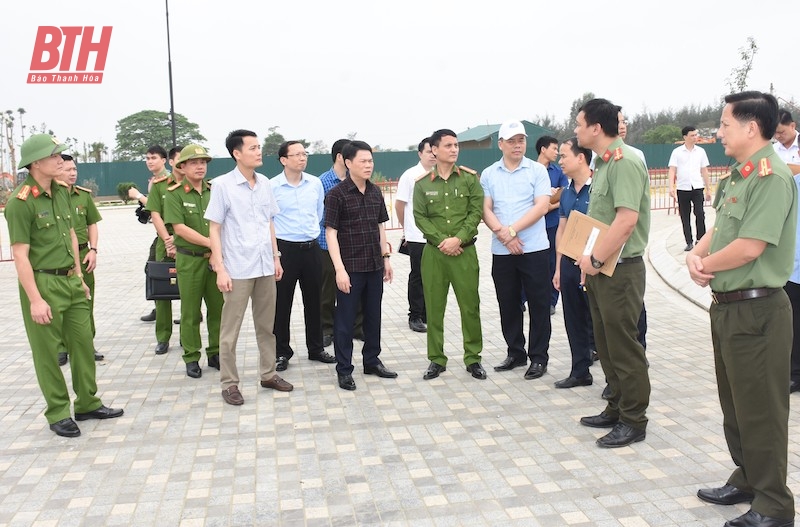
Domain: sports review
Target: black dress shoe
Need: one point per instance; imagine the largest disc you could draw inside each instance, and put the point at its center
(418, 325)
(433, 371)
(104, 412)
(98, 356)
(62, 358)
(602, 420)
(327, 340)
(688, 247)
(193, 370)
(621, 435)
(794, 386)
(149, 318)
(536, 370)
(322, 356)
(754, 519)
(66, 428)
(380, 370)
(281, 363)
(346, 382)
(477, 370)
(162, 348)
(213, 362)
(572, 382)
(725, 495)
(606, 395)
(509, 363)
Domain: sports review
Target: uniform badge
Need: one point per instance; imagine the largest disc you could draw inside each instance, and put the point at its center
(617, 154)
(35, 191)
(607, 155)
(23, 192)
(187, 188)
(748, 169)
(764, 167)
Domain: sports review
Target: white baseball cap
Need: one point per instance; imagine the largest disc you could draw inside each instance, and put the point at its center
(511, 128)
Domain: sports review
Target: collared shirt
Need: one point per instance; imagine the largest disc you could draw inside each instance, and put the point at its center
(158, 195)
(329, 180)
(244, 214)
(759, 201)
(689, 165)
(357, 218)
(405, 193)
(621, 180)
(513, 194)
(572, 200)
(557, 180)
(41, 220)
(301, 207)
(789, 155)
(796, 271)
(187, 206)
(444, 208)
(85, 210)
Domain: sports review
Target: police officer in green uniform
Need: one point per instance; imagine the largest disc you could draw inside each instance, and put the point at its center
(620, 198)
(746, 259)
(52, 292)
(85, 219)
(165, 250)
(184, 211)
(448, 205)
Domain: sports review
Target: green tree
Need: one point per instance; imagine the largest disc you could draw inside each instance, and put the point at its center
(663, 134)
(138, 131)
(97, 151)
(737, 81)
(272, 142)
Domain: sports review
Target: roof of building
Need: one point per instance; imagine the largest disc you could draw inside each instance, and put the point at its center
(485, 131)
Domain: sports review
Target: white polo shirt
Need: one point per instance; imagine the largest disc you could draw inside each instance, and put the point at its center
(789, 155)
(405, 193)
(689, 164)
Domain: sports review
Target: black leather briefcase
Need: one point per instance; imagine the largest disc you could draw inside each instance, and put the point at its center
(162, 281)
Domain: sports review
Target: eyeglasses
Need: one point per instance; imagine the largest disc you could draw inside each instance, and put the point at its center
(301, 154)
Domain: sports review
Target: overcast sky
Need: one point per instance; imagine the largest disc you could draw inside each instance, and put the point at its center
(392, 72)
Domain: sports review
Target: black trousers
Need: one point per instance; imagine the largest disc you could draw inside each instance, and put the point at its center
(533, 272)
(301, 262)
(366, 290)
(551, 254)
(577, 318)
(686, 200)
(793, 291)
(416, 296)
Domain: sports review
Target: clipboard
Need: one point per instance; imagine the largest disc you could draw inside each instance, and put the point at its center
(581, 234)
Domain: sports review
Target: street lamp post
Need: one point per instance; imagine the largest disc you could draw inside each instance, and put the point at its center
(171, 99)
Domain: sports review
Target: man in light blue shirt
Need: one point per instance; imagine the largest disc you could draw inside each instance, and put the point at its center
(301, 199)
(516, 198)
(245, 256)
(792, 289)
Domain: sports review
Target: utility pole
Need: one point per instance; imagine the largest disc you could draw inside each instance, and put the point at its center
(171, 99)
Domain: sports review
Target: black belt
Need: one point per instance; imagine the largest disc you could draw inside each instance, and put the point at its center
(198, 254)
(743, 294)
(463, 245)
(299, 245)
(632, 259)
(64, 271)
(82, 246)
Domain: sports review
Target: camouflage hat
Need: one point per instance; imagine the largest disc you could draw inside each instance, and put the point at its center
(39, 146)
(192, 152)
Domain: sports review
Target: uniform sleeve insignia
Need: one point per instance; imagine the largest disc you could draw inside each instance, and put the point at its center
(35, 191)
(468, 170)
(173, 187)
(617, 154)
(764, 167)
(23, 192)
(748, 169)
(186, 188)
(160, 179)
(606, 155)
(83, 188)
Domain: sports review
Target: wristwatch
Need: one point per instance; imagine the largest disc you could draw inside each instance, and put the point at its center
(512, 232)
(597, 264)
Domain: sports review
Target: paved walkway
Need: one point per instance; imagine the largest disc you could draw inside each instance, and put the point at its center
(449, 452)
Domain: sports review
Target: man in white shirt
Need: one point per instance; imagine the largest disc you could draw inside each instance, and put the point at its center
(414, 240)
(689, 183)
(786, 139)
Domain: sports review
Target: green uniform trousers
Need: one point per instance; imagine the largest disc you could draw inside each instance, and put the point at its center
(197, 283)
(438, 272)
(163, 307)
(752, 353)
(89, 279)
(70, 325)
(616, 303)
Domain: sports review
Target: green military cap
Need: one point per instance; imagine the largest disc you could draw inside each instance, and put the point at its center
(192, 152)
(39, 146)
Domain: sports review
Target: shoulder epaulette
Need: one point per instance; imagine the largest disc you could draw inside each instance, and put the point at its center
(426, 174)
(23, 192)
(616, 154)
(726, 175)
(468, 170)
(83, 188)
(61, 183)
(173, 187)
(160, 179)
(764, 167)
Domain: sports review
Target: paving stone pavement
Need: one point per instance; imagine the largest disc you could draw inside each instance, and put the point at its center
(448, 452)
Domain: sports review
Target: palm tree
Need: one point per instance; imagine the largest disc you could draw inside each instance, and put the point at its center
(21, 112)
(97, 150)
